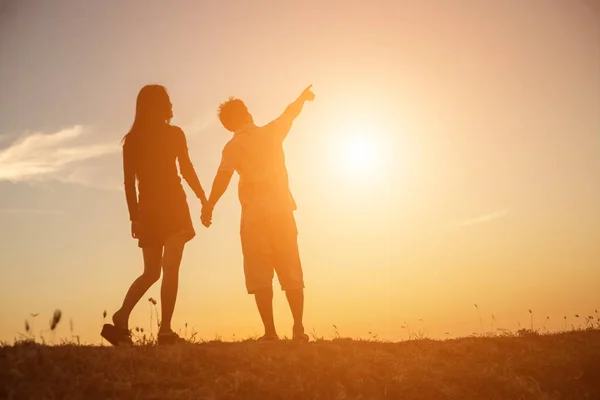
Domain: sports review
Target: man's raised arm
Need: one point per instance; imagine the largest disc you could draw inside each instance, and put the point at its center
(283, 123)
(295, 108)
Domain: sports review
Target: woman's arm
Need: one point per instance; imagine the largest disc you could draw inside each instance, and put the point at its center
(129, 181)
(187, 169)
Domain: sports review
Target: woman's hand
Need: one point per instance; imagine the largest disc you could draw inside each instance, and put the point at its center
(136, 229)
(203, 201)
(206, 216)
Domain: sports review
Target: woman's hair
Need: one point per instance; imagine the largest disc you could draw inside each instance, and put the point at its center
(153, 108)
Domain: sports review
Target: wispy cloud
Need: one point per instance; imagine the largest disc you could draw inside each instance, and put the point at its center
(481, 219)
(41, 156)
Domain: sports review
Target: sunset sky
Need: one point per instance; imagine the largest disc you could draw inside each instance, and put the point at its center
(451, 157)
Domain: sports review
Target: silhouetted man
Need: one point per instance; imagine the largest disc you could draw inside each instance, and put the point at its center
(268, 228)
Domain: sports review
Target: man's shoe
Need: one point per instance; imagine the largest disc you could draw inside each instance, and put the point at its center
(268, 339)
(300, 337)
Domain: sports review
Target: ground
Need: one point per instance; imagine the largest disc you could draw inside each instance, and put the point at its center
(526, 366)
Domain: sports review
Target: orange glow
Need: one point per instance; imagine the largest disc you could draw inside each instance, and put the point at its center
(450, 157)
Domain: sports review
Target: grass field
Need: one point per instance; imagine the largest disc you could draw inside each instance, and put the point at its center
(527, 366)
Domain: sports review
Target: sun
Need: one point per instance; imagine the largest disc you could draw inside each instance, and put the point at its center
(358, 153)
(359, 149)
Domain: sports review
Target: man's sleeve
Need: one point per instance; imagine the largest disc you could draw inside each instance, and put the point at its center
(281, 126)
(229, 162)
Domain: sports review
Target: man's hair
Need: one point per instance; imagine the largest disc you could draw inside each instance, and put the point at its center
(233, 114)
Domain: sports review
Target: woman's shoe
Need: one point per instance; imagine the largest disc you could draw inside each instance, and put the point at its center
(116, 336)
(169, 338)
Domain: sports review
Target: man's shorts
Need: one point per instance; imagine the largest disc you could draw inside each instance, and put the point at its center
(270, 244)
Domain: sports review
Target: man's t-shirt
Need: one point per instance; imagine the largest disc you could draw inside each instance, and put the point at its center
(256, 153)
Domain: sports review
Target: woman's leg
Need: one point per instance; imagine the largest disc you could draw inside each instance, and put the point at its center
(170, 281)
(152, 264)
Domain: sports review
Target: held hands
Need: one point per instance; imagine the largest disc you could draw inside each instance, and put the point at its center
(206, 216)
(307, 94)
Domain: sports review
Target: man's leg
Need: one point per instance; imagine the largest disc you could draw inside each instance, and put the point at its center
(295, 299)
(289, 269)
(264, 302)
(258, 271)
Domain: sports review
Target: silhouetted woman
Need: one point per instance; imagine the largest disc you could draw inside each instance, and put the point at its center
(160, 219)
